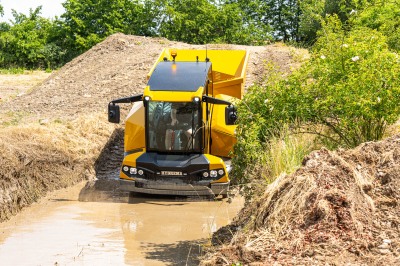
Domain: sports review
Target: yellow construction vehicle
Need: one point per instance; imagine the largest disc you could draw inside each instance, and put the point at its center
(180, 132)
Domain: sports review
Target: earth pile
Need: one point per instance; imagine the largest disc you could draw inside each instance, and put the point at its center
(339, 207)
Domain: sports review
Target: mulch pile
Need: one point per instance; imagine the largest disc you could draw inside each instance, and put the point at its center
(339, 207)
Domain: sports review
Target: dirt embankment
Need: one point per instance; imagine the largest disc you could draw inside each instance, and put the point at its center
(57, 134)
(339, 207)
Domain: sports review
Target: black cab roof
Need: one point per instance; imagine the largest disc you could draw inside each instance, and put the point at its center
(179, 76)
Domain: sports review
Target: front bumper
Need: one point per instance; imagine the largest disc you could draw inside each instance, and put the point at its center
(174, 187)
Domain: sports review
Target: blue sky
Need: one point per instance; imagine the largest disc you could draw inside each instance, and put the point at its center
(50, 8)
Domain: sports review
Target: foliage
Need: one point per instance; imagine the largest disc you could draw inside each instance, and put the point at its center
(314, 12)
(17, 70)
(86, 23)
(238, 29)
(192, 21)
(281, 154)
(26, 43)
(346, 94)
(356, 88)
(204, 21)
(280, 18)
(383, 16)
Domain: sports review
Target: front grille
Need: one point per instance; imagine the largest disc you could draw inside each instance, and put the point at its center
(185, 179)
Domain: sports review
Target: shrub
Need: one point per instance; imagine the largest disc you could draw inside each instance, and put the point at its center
(347, 93)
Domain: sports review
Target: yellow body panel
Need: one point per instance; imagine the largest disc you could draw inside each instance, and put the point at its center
(233, 87)
(173, 96)
(217, 163)
(134, 136)
(223, 135)
(130, 160)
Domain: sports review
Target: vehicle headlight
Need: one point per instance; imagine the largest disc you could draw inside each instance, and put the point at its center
(133, 171)
(205, 174)
(140, 172)
(125, 168)
(221, 172)
(213, 173)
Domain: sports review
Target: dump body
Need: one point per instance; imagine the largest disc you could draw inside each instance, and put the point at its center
(179, 137)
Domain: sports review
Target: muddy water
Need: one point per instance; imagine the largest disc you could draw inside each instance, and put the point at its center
(122, 230)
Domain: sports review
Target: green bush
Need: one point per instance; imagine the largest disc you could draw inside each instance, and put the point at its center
(385, 17)
(347, 93)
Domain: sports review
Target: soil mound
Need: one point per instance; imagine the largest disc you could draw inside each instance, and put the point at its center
(117, 67)
(339, 207)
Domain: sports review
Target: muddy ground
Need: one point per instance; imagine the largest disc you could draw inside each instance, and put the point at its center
(69, 228)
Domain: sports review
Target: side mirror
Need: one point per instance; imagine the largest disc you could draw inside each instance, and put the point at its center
(113, 113)
(230, 115)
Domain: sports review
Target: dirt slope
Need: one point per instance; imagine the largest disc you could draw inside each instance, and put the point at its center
(57, 134)
(117, 67)
(339, 207)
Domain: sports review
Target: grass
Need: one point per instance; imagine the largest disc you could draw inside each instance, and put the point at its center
(13, 70)
(285, 153)
(15, 82)
(12, 118)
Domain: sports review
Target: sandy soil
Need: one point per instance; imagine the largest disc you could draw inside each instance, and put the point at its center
(16, 85)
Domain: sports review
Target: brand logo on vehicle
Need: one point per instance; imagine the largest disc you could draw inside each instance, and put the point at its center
(170, 173)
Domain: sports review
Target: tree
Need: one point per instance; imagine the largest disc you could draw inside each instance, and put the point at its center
(239, 27)
(204, 21)
(24, 43)
(281, 17)
(88, 22)
(314, 12)
(191, 21)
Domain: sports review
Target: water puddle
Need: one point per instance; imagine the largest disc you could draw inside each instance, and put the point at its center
(137, 230)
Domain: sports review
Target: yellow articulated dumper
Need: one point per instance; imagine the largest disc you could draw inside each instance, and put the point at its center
(180, 132)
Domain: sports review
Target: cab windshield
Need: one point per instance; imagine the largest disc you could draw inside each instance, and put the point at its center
(173, 127)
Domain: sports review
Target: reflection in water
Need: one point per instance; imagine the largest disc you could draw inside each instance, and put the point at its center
(141, 231)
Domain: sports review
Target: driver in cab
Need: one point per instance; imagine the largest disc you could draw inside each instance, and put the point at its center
(181, 115)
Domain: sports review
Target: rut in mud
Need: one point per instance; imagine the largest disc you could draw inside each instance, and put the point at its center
(57, 135)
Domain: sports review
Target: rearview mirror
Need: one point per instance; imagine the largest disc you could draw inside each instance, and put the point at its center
(113, 113)
(230, 115)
